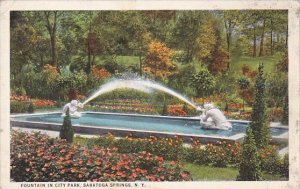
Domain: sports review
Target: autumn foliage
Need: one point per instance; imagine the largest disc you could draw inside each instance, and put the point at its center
(219, 61)
(100, 73)
(158, 61)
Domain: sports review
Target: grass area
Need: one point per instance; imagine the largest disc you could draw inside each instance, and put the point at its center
(201, 172)
(128, 60)
(268, 61)
(208, 173)
(236, 62)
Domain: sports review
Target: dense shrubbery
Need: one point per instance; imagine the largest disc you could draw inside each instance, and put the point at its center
(219, 155)
(250, 165)
(169, 148)
(18, 107)
(38, 158)
(222, 154)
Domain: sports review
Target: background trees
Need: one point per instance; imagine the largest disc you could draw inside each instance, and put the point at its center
(170, 46)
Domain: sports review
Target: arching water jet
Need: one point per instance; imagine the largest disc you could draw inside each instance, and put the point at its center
(138, 84)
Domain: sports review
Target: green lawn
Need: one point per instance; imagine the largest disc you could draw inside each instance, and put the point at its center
(208, 173)
(268, 61)
(201, 172)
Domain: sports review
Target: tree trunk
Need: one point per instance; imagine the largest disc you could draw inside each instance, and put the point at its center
(93, 59)
(42, 60)
(254, 41)
(261, 48)
(89, 64)
(88, 69)
(51, 27)
(271, 40)
(53, 50)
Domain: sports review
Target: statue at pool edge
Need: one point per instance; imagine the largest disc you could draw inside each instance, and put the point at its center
(213, 118)
(73, 106)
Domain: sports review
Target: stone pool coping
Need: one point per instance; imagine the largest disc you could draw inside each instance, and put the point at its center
(98, 130)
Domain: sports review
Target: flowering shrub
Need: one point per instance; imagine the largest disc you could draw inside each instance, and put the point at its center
(235, 106)
(176, 111)
(37, 158)
(38, 103)
(219, 155)
(43, 103)
(19, 98)
(168, 148)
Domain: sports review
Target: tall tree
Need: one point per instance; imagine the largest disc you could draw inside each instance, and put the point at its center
(249, 167)
(231, 20)
(208, 39)
(259, 123)
(51, 18)
(158, 60)
(186, 32)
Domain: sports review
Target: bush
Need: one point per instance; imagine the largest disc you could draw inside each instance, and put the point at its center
(203, 82)
(168, 148)
(164, 111)
(38, 158)
(66, 131)
(18, 107)
(249, 167)
(284, 167)
(30, 108)
(270, 160)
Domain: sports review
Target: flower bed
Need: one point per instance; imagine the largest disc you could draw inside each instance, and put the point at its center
(38, 158)
(222, 154)
(176, 111)
(24, 100)
(238, 116)
(38, 103)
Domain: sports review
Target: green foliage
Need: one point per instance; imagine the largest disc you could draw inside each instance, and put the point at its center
(285, 117)
(284, 168)
(30, 108)
(164, 111)
(249, 167)
(66, 131)
(244, 84)
(204, 82)
(270, 160)
(277, 87)
(18, 107)
(124, 93)
(208, 38)
(259, 123)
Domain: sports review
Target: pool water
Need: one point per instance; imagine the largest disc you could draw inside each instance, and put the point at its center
(144, 123)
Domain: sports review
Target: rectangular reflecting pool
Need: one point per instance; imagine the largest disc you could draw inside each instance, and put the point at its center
(138, 124)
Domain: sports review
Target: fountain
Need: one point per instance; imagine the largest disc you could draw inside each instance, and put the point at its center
(217, 119)
(138, 84)
(72, 106)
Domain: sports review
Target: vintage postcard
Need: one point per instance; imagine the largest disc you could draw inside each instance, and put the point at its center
(149, 94)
